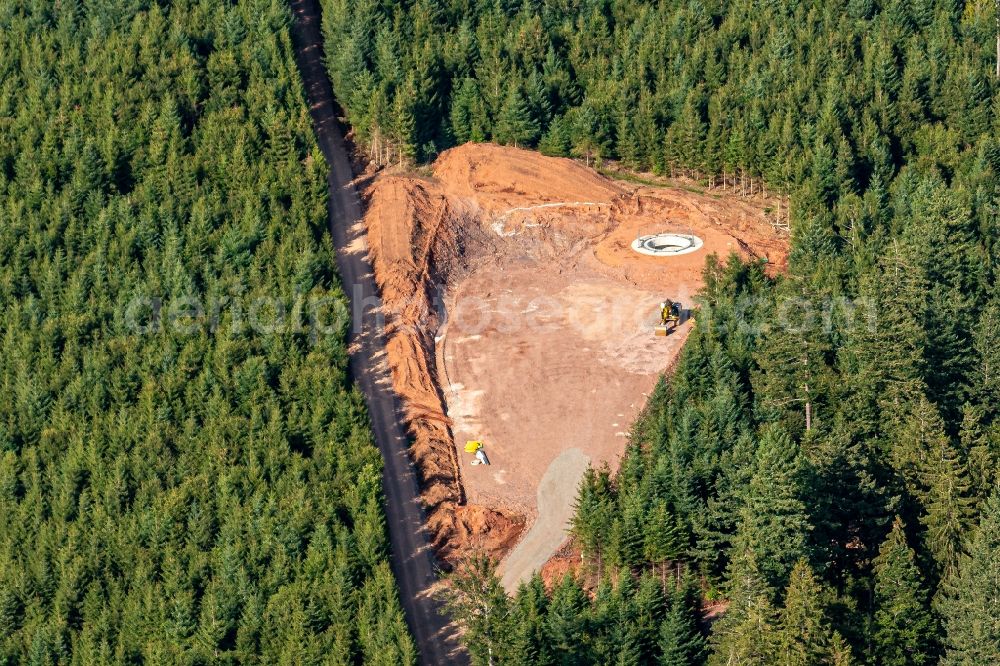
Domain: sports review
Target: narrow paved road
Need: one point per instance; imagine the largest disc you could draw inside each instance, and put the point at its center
(412, 557)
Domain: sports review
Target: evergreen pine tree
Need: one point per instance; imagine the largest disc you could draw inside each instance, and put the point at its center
(468, 115)
(625, 540)
(691, 131)
(773, 523)
(986, 376)
(840, 651)
(462, 104)
(716, 525)
(592, 516)
(948, 508)
(649, 606)
(904, 629)
(970, 608)
(804, 636)
(918, 444)
(516, 125)
(529, 642)
(745, 634)
(662, 543)
(979, 451)
(556, 141)
(403, 127)
(794, 376)
(567, 621)
(887, 344)
(478, 602)
(680, 643)
(625, 139)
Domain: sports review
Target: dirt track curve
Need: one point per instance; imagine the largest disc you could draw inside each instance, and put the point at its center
(412, 557)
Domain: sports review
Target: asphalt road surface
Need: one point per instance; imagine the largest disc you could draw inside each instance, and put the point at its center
(412, 557)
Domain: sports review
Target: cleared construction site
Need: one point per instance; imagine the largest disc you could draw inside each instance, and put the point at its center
(523, 298)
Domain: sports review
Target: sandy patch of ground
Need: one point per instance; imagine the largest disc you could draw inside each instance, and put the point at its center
(536, 362)
(518, 314)
(560, 480)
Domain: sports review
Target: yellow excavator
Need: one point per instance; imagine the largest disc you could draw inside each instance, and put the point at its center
(670, 317)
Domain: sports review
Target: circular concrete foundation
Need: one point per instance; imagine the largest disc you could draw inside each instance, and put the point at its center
(666, 244)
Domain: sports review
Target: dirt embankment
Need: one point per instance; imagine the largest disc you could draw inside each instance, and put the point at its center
(546, 344)
(417, 239)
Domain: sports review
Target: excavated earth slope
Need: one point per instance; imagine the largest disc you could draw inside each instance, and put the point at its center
(517, 313)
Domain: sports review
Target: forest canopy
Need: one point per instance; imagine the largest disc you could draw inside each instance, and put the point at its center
(194, 487)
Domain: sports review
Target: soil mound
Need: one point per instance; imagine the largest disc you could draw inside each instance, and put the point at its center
(500, 177)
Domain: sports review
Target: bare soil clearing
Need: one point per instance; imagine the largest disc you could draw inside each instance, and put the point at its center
(518, 314)
(536, 362)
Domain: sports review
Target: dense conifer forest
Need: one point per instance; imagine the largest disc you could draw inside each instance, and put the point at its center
(823, 461)
(186, 473)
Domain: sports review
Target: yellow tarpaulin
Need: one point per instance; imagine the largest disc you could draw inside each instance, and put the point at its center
(472, 446)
